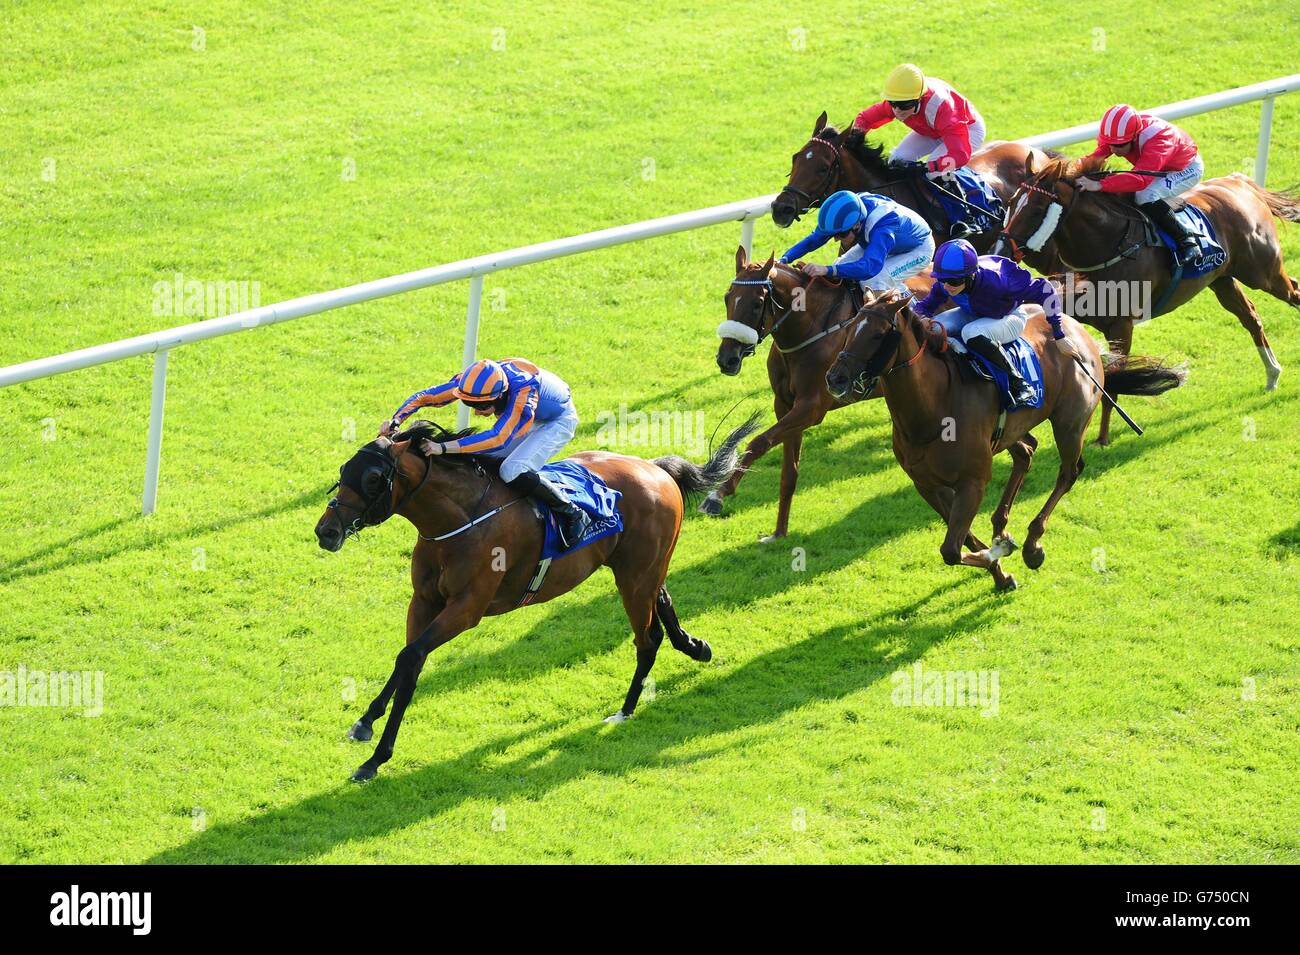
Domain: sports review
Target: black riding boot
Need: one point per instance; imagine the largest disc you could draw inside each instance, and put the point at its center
(571, 519)
(986, 347)
(1162, 214)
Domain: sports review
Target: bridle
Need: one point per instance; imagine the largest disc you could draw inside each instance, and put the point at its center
(863, 383)
(831, 177)
(367, 516)
(1053, 219)
(768, 299)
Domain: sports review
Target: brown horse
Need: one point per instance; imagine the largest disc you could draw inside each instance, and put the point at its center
(1105, 237)
(944, 424)
(477, 554)
(809, 321)
(832, 160)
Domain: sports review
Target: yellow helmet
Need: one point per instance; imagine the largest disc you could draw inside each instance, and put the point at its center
(904, 82)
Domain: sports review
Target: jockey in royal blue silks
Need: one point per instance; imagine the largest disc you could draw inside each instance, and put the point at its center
(989, 293)
(891, 243)
(535, 420)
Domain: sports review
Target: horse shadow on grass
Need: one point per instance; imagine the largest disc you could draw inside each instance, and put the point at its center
(756, 693)
(33, 565)
(566, 637)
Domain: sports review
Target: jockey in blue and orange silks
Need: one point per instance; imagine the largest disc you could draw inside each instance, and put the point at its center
(535, 420)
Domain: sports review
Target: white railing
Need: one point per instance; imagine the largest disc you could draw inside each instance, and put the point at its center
(746, 211)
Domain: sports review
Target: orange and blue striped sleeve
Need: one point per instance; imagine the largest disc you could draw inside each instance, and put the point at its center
(514, 423)
(434, 397)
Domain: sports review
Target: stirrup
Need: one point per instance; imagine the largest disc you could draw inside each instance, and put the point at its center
(961, 230)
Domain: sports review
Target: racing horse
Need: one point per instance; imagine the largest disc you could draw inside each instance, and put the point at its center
(1106, 235)
(478, 554)
(832, 160)
(947, 430)
(809, 321)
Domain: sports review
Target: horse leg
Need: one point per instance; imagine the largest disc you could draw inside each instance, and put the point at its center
(647, 634)
(965, 505)
(419, 614)
(1121, 343)
(1069, 443)
(1022, 454)
(942, 502)
(695, 648)
(791, 449)
(454, 618)
(1233, 298)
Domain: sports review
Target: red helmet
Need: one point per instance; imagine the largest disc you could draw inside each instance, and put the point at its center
(1119, 125)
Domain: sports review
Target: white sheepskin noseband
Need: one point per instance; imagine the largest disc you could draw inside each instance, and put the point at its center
(1051, 219)
(738, 332)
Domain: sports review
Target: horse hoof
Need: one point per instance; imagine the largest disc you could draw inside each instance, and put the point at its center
(1033, 555)
(711, 506)
(364, 774)
(705, 653)
(619, 717)
(1008, 585)
(768, 538)
(360, 732)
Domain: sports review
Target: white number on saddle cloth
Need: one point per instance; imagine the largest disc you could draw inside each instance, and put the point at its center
(607, 497)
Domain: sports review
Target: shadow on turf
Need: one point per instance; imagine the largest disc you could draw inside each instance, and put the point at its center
(759, 692)
(21, 567)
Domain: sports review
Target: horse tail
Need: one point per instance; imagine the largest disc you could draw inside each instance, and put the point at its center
(695, 479)
(1141, 375)
(1285, 203)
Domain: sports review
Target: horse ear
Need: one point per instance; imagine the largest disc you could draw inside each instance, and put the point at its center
(742, 257)
(767, 266)
(1029, 164)
(820, 124)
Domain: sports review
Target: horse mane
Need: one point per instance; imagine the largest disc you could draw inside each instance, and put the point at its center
(435, 432)
(854, 142)
(1065, 169)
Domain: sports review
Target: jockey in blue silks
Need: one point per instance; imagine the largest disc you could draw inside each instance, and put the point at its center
(891, 243)
(989, 293)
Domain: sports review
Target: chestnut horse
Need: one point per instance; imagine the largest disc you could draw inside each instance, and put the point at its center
(477, 555)
(833, 160)
(809, 321)
(944, 423)
(1104, 236)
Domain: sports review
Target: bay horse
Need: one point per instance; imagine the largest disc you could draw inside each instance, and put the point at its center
(476, 554)
(832, 160)
(1104, 236)
(809, 321)
(944, 425)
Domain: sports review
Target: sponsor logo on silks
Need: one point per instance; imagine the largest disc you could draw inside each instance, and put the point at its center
(134, 909)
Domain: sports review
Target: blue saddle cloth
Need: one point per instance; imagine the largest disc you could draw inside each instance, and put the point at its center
(1024, 360)
(590, 493)
(1198, 224)
(978, 193)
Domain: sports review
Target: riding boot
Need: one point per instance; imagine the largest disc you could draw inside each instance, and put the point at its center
(572, 520)
(1162, 214)
(986, 347)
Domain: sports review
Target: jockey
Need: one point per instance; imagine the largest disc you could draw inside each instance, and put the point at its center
(535, 419)
(945, 128)
(891, 242)
(1151, 144)
(989, 293)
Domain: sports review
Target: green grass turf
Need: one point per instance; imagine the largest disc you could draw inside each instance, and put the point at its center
(230, 644)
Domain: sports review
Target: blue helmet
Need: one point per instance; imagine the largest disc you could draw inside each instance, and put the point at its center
(955, 259)
(840, 212)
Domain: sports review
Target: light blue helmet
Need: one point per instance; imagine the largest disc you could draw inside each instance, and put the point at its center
(840, 212)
